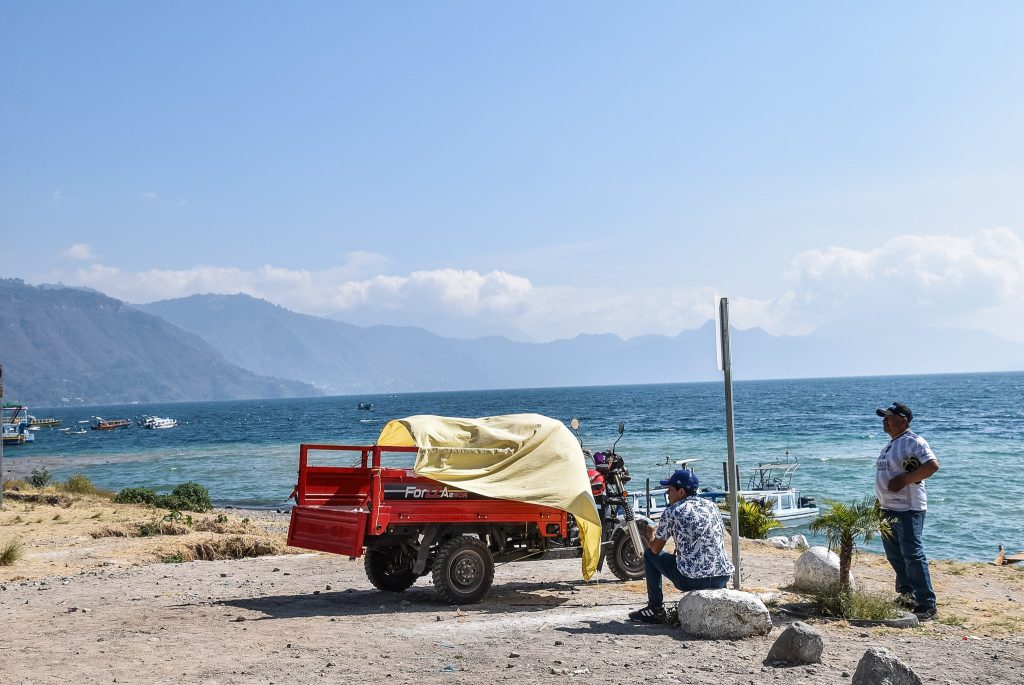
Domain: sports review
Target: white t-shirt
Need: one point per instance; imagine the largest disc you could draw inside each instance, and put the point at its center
(904, 454)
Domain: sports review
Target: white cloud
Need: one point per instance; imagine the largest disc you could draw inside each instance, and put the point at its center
(81, 252)
(150, 196)
(974, 282)
(928, 279)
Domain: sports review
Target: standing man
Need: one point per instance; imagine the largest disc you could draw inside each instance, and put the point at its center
(902, 468)
(700, 561)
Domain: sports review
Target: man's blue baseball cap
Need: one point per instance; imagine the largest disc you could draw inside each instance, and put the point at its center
(683, 478)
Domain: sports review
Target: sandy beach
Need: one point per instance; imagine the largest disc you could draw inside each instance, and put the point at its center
(85, 600)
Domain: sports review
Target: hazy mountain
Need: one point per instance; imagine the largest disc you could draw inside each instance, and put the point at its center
(71, 343)
(341, 358)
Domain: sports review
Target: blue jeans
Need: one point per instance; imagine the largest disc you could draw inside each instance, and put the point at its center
(905, 552)
(657, 566)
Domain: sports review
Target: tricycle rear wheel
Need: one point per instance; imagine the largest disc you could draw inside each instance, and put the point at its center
(463, 570)
(388, 569)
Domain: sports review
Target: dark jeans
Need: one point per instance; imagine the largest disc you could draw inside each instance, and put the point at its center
(905, 552)
(661, 565)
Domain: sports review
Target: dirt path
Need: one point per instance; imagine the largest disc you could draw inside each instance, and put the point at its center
(88, 610)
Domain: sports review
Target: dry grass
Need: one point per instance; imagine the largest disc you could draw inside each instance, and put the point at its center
(11, 552)
(237, 547)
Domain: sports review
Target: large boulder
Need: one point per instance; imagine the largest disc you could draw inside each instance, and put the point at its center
(879, 666)
(818, 569)
(798, 644)
(723, 615)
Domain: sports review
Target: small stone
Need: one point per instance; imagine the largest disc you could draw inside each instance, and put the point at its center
(558, 643)
(275, 570)
(513, 655)
(223, 575)
(239, 619)
(316, 592)
(331, 663)
(438, 618)
(845, 674)
(328, 587)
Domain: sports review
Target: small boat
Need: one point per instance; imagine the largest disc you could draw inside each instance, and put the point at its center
(768, 483)
(103, 424)
(33, 422)
(16, 434)
(771, 484)
(14, 421)
(364, 406)
(154, 422)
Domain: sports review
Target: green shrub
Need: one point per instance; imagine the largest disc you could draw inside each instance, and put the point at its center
(40, 478)
(186, 497)
(756, 519)
(10, 553)
(136, 496)
(79, 484)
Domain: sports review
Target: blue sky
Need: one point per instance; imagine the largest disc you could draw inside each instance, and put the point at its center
(531, 169)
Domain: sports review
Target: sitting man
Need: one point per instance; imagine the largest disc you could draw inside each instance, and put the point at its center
(700, 561)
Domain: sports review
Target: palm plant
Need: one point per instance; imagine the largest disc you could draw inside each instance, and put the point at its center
(843, 525)
(755, 517)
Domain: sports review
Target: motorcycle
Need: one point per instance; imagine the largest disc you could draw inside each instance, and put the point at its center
(622, 530)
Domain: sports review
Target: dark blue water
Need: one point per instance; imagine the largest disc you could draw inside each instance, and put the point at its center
(246, 452)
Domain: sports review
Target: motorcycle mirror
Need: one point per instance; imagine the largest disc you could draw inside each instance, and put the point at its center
(575, 423)
(622, 427)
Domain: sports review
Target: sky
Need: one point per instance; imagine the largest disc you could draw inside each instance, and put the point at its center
(534, 170)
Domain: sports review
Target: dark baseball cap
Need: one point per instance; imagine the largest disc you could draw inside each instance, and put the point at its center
(683, 478)
(896, 409)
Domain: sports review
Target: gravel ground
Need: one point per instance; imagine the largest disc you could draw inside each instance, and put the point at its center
(105, 610)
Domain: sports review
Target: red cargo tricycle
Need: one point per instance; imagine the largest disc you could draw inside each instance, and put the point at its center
(406, 526)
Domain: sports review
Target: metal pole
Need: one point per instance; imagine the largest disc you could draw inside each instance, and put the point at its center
(730, 437)
(1, 437)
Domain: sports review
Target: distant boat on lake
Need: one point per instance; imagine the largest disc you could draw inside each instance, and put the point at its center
(103, 424)
(365, 406)
(154, 422)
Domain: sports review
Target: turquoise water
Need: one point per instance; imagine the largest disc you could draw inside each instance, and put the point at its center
(246, 452)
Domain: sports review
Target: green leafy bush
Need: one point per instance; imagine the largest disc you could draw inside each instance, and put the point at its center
(186, 497)
(136, 496)
(755, 517)
(79, 484)
(40, 478)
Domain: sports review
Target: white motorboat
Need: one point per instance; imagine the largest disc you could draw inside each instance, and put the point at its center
(769, 483)
(155, 422)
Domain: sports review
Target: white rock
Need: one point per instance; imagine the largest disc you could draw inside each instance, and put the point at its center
(818, 569)
(798, 542)
(779, 542)
(723, 614)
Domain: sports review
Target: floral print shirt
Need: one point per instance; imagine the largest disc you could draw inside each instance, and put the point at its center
(696, 525)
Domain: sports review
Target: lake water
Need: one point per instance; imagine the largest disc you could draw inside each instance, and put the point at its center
(246, 452)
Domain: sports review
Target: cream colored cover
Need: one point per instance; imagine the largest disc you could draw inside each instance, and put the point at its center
(521, 457)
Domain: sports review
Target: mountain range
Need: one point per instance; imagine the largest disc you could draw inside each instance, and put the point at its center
(68, 345)
(65, 344)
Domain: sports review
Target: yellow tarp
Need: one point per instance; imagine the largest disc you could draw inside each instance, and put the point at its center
(521, 457)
